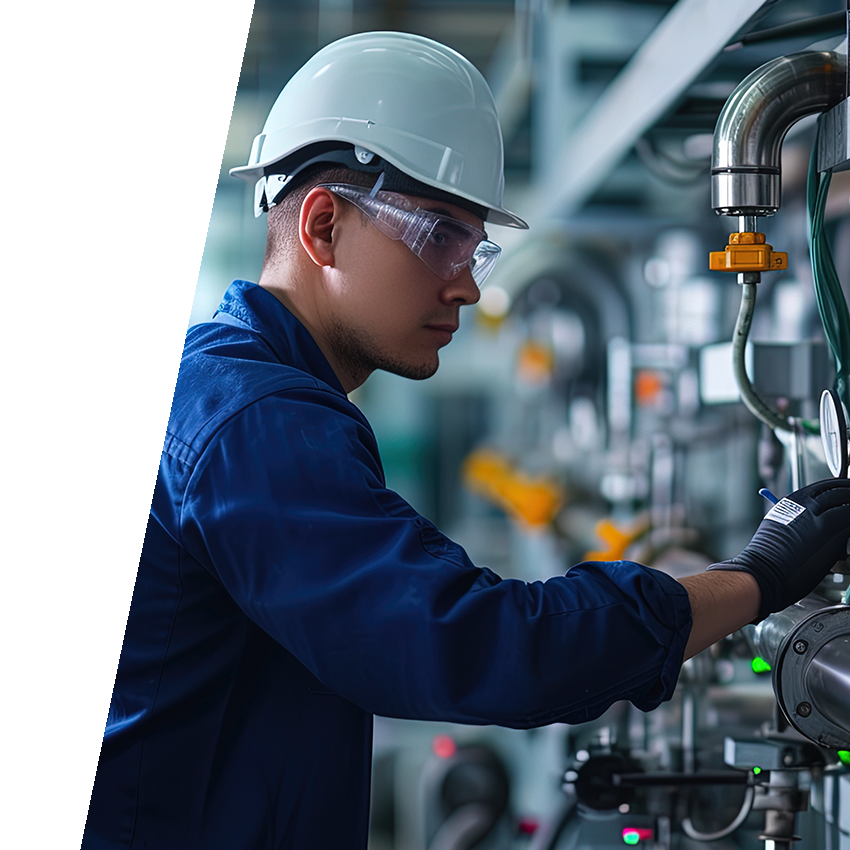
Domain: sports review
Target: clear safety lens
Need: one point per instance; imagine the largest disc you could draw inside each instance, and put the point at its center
(446, 245)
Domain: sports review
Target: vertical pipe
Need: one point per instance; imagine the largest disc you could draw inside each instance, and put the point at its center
(847, 45)
(746, 224)
(689, 731)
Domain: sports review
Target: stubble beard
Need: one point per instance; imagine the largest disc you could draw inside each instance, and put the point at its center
(356, 352)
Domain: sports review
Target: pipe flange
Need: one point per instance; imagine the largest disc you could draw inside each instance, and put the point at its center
(793, 684)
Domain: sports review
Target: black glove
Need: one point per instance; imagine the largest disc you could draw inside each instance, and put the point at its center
(798, 542)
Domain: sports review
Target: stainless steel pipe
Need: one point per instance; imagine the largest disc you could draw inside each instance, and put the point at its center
(808, 647)
(746, 158)
(828, 680)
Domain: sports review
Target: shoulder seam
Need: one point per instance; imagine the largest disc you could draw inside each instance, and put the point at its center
(190, 453)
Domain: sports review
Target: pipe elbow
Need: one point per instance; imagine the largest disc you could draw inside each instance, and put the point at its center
(746, 157)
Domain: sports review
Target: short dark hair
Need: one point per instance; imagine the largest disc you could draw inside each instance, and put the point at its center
(282, 238)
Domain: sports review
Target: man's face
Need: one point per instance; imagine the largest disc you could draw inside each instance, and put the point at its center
(387, 309)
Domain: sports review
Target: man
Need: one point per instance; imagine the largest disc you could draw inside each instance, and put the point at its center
(284, 595)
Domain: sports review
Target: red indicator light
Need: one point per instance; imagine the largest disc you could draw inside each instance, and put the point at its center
(528, 826)
(444, 746)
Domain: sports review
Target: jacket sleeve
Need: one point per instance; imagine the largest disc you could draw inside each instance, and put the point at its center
(287, 508)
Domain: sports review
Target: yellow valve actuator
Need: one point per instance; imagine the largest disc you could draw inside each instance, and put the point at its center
(748, 252)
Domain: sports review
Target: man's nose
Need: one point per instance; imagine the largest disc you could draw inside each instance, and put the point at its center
(461, 290)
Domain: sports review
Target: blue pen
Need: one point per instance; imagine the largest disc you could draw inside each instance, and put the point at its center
(768, 495)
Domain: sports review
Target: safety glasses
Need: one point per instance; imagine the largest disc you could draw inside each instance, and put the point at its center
(447, 246)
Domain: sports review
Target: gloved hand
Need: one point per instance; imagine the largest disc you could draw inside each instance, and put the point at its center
(802, 537)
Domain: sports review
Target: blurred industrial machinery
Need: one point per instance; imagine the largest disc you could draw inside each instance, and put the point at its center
(618, 396)
(621, 435)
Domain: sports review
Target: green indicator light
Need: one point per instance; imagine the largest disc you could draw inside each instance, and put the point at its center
(756, 770)
(760, 665)
(631, 837)
(844, 757)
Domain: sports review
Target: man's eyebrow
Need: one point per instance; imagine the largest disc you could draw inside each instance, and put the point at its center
(449, 214)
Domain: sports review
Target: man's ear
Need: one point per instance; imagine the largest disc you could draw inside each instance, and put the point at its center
(320, 213)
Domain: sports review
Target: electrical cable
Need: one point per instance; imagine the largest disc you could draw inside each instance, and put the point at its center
(746, 807)
(832, 305)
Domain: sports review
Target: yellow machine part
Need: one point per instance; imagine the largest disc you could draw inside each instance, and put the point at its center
(748, 252)
(615, 540)
(534, 501)
(535, 362)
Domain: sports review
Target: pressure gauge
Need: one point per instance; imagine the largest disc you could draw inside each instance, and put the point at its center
(833, 433)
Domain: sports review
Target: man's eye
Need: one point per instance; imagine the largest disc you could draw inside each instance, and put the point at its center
(446, 233)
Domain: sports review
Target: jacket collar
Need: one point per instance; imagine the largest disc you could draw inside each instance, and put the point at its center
(256, 308)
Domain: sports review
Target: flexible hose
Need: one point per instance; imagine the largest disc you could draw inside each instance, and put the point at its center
(739, 346)
(746, 808)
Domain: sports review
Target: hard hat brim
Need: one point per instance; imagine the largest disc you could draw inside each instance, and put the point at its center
(495, 214)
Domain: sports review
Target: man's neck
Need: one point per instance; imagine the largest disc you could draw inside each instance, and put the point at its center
(293, 297)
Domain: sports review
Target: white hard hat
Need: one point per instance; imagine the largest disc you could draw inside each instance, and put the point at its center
(413, 102)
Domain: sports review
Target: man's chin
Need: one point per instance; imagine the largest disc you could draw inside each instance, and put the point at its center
(413, 371)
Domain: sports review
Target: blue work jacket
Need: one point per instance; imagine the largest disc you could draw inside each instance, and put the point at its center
(285, 596)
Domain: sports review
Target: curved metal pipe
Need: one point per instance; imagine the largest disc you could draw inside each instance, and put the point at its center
(746, 159)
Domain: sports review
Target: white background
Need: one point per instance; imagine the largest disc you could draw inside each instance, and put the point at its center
(114, 120)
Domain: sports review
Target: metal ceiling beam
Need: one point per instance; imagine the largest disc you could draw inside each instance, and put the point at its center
(686, 41)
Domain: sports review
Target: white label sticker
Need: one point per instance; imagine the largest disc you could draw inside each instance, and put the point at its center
(785, 511)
